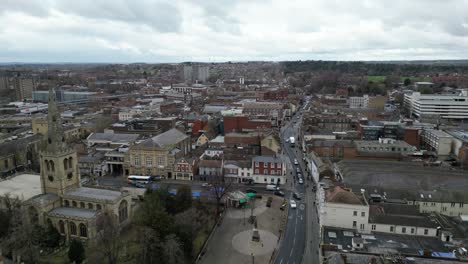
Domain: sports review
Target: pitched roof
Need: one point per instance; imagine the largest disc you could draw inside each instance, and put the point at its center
(113, 137)
(73, 212)
(211, 163)
(337, 194)
(170, 137)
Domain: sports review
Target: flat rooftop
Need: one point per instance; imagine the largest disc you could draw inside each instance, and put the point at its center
(382, 243)
(24, 186)
(405, 180)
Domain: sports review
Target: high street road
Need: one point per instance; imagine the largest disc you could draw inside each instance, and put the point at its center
(300, 242)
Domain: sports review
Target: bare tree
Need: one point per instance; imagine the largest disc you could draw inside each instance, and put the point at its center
(173, 252)
(20, 239)
(220, 186)
(108, 237)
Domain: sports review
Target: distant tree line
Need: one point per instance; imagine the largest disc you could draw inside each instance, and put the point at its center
(367, 68)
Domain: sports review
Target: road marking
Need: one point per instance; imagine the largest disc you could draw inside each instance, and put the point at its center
(294, 241)
(281, 261)
(290, 254)
(301, 218)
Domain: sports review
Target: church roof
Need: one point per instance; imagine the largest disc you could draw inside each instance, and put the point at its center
(45, 199)
(170, 137)
(85, 193)
(73, 212)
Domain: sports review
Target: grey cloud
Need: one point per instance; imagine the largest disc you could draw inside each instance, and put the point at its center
(162, 16)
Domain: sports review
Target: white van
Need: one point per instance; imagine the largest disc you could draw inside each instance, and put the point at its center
(272, 187)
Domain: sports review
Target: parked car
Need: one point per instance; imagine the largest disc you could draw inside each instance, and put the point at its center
(272, 187)
(269, 201)
(301, 181)
(293, 204)
(298, 170)
(206, 184)
(250, 191)
(296, 196)
(279, 193)
(295, 162)
(283, 206)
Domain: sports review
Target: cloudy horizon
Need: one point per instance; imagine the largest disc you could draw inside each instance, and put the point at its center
(221, 30)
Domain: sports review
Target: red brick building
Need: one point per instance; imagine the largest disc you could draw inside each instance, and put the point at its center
(243, 123)
(268, 170)
(185, 169)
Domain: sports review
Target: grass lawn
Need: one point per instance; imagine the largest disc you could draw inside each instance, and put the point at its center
(376, 78)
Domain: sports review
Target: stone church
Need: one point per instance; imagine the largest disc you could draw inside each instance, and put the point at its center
(74, 210)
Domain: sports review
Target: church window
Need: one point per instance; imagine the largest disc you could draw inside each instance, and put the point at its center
(65, 164)
(74, 204)
(98, 207)
(70, 162)
(52, 167)
(90, 206)
(83, 230)
(82, 205)
(72, 228)
(61, 227)
(70, 175)
(51, 178)
(123, 212)
(67, 203)
(47, 165)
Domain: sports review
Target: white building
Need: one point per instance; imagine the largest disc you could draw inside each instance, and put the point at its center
(344, 209)
(401, 219)
(446, 106)
(359, 101)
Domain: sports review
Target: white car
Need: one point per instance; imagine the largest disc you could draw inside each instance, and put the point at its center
(295, 162)
(293, 204)
(301, 181)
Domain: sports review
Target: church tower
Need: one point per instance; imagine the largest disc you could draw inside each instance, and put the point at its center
(59, 164)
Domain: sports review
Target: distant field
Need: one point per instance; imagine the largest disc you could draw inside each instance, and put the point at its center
(376, 78)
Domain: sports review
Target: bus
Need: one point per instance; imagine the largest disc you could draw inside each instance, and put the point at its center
(133, 179)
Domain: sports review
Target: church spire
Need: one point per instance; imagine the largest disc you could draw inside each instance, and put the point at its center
(55, 137)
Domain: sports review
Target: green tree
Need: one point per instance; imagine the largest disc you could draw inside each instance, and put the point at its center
(183, 198)
(151, 248)
(51, 238)
(154, 215)
(407, 81)
(4, 223)
(76, 252)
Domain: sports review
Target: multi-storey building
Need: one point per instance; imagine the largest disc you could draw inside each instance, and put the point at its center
(269, 170)
(359, 102)
(185, 169)
(24, 87)
(438, 141)
(444, 106)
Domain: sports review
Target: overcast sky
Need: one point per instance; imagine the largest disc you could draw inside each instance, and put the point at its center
(222, 30)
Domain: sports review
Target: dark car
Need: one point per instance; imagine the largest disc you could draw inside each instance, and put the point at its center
(296, 196)
(250, 191)
(279, 193)
(269, 201)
